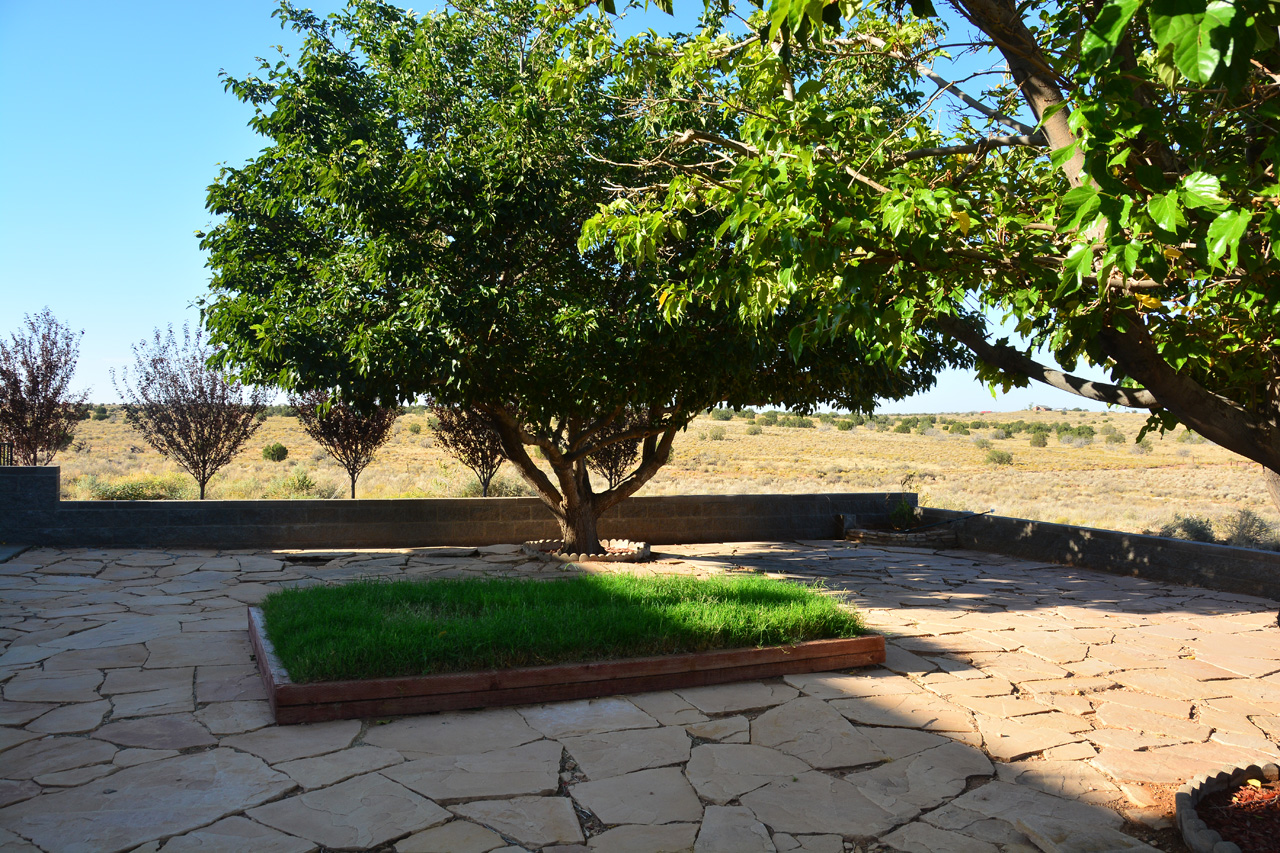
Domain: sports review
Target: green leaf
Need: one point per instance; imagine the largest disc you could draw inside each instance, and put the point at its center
(1200, 189)
(923, 9)
(1224, 236)
(1188, 25)
(1105, 32)
(1165, 211)
(1077, 206)
(1078, 263)
(1059, 156)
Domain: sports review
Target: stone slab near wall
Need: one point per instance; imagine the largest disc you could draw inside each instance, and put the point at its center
(1220, 567)
(31, 513)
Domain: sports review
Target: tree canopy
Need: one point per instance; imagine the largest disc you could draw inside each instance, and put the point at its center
(412, 227)
(1110, 191)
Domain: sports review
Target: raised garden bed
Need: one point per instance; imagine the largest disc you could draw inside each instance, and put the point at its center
(1236, 810)
(399, 648)
(343, 700)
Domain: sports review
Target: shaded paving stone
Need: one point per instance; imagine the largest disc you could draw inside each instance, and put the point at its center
(134, 756)
(816, 803)
(152, 702)
(732, 829)
(925, 838)
(109, 657)
(229, 683)
(585, 717)
(10, 738)
(176, 731)
(616, 753)
(667, 838)
(457, 836)
(52, 754)
(915, 710)
(77, 685)
(21, 713)
(205, 649)
(667, 708)
(72, 719)
(535, 821)
(532, 770)
(813, 731)
(325, 770)
(735, 698)
(237, 833)
(644, 797)
(723, 772)
(1059, 836)
(125, 631)
(465, 732)
(77, 776)
(130, 680)
(1070, 779)
(1010, 740)
(11, 843)
(15, 792)
(910, 785)
(723, 730)
(359, 813)
(808, 843)
(230, 718)
(288, 743)
(142, 803)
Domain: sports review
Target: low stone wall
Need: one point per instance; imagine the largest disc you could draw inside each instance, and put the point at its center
(1220, 567)
(31, 513)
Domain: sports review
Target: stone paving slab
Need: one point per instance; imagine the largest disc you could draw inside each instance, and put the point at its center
(1023, 707)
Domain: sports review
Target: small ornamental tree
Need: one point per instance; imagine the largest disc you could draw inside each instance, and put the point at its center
(192, 413)
(351, 434)
(470, 438)
(38, 412)
(614, 461)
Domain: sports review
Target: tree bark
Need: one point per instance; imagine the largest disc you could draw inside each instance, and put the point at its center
(578, 529)
(1273, 485)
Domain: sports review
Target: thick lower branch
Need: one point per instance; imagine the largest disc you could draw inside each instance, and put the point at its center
(1010, 360)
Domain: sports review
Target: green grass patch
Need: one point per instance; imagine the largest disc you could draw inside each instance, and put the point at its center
(380, 629)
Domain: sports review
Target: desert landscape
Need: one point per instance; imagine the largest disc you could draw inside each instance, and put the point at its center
(964, 461)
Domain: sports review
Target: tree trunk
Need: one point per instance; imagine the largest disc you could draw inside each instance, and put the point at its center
(1273, 485)
(353, 486)
(578, 529)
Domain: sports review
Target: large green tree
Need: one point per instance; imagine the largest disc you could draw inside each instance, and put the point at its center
(412, 227)
(1111, 191)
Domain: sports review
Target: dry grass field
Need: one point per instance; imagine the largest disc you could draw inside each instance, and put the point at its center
(1101, 484)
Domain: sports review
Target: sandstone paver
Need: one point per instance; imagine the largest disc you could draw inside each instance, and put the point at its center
(732, 829)
(586, 717)
(149, 801)
(1094, 683)
(71, 719)
(646, 796)
(359, 813)
(668, 838)
(536, 821)
(529, 770)
(456, 836)
(616, 753)
(288, 743)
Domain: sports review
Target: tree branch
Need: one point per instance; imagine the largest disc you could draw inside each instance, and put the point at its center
(1008, 359)
(971, 148)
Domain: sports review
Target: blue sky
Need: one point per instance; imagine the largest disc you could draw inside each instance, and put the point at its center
(115, 122)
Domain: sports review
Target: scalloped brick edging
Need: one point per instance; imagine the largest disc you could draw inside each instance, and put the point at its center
(1195, 832)
(620, 551)
(379, 697)
(930, 539)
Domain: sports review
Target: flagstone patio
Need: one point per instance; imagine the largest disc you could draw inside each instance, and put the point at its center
(1022, 707)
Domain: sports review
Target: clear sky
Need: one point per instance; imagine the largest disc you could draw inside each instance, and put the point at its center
(113, 121)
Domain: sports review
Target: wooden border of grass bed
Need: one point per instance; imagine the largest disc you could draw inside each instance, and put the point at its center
(378, 697)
